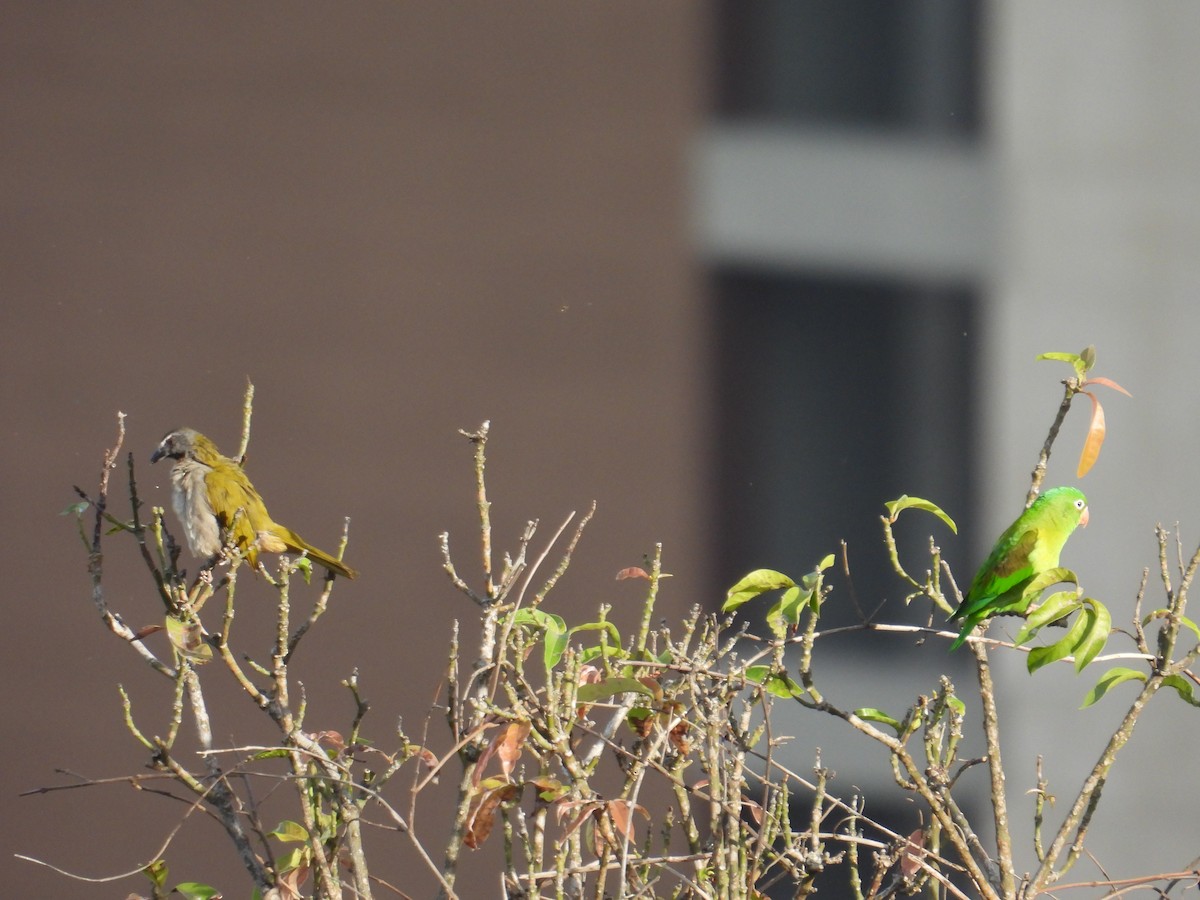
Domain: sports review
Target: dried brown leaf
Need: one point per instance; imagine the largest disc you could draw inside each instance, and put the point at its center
(481, 817)
(910, 862)
(1108, 382)
(508, 746)
(633, 572)
(1095, 438)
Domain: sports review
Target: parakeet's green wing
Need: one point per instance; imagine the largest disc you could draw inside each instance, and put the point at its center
(1008, 566)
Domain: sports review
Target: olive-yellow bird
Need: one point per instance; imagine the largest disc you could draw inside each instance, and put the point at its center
(207, 492)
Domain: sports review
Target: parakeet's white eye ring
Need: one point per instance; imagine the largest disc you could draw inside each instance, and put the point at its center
(1079, 504)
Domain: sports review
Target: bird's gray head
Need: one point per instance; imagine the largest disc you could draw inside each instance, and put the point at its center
(179, 443)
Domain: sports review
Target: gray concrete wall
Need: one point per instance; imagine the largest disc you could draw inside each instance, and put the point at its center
(1094, 133)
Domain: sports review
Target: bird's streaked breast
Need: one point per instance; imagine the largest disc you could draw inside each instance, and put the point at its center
(189, 496)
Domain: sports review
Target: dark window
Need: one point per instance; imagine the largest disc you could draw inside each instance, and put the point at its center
(836, 395)
(908, 65)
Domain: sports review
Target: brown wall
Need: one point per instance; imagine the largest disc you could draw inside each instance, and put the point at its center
(398, 219)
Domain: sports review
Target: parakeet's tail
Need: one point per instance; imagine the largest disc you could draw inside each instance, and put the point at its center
(968, 627)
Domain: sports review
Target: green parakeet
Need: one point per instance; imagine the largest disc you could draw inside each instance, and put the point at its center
(1029, 546)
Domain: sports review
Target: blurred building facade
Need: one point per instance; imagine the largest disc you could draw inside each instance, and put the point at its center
(898, 208)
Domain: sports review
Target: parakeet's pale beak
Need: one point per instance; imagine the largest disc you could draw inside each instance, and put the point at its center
(1083, 517)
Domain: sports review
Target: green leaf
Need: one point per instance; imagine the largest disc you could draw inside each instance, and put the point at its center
(636, 717)
(757, 674)
(554, 628)
(783, 686)
(906, 502)
(757, 582)
(610, 687)
(1077, 361)
(1043, 656)
(1045, 579)
(870, 714)
(528, 615)
(192, 890)
(495, 782)
(277, 753)
(1088, 357)
(587, 654)
(1183, 620)
(1182, 687)
(293, 859)
(786, 613)
(156, 872)
(303, 565)
(287, 830)
(1096, 635)
(1056, 607)
(614, 636)
(813, 578)
(188, 639)
(549, 789)
(556, 643)
(614, 640)
(776, 683)
(1108, 681)
(76, 509)
(812, 584)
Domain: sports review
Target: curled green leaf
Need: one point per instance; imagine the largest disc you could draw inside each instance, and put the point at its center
(1088, 357)
(554, 629)
(193, 890)
(610, 687)
(303, 565)
(1043, 656)
(1183, 620)
(757, 582)
(587, 654)
(614, 636)
(1182, 687)
(1096, 636)
(1056, 606)
(786, 613)
(188, 639)
(1044, 579)
(894, 508)
(871, 714)
(276, 753)
(157, 872)
(1075, 360)
(289, 831)
(776, 683)
(1108, 681)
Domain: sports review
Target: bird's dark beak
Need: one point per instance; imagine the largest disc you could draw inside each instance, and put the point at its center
(158, 454)
(1083, 517)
